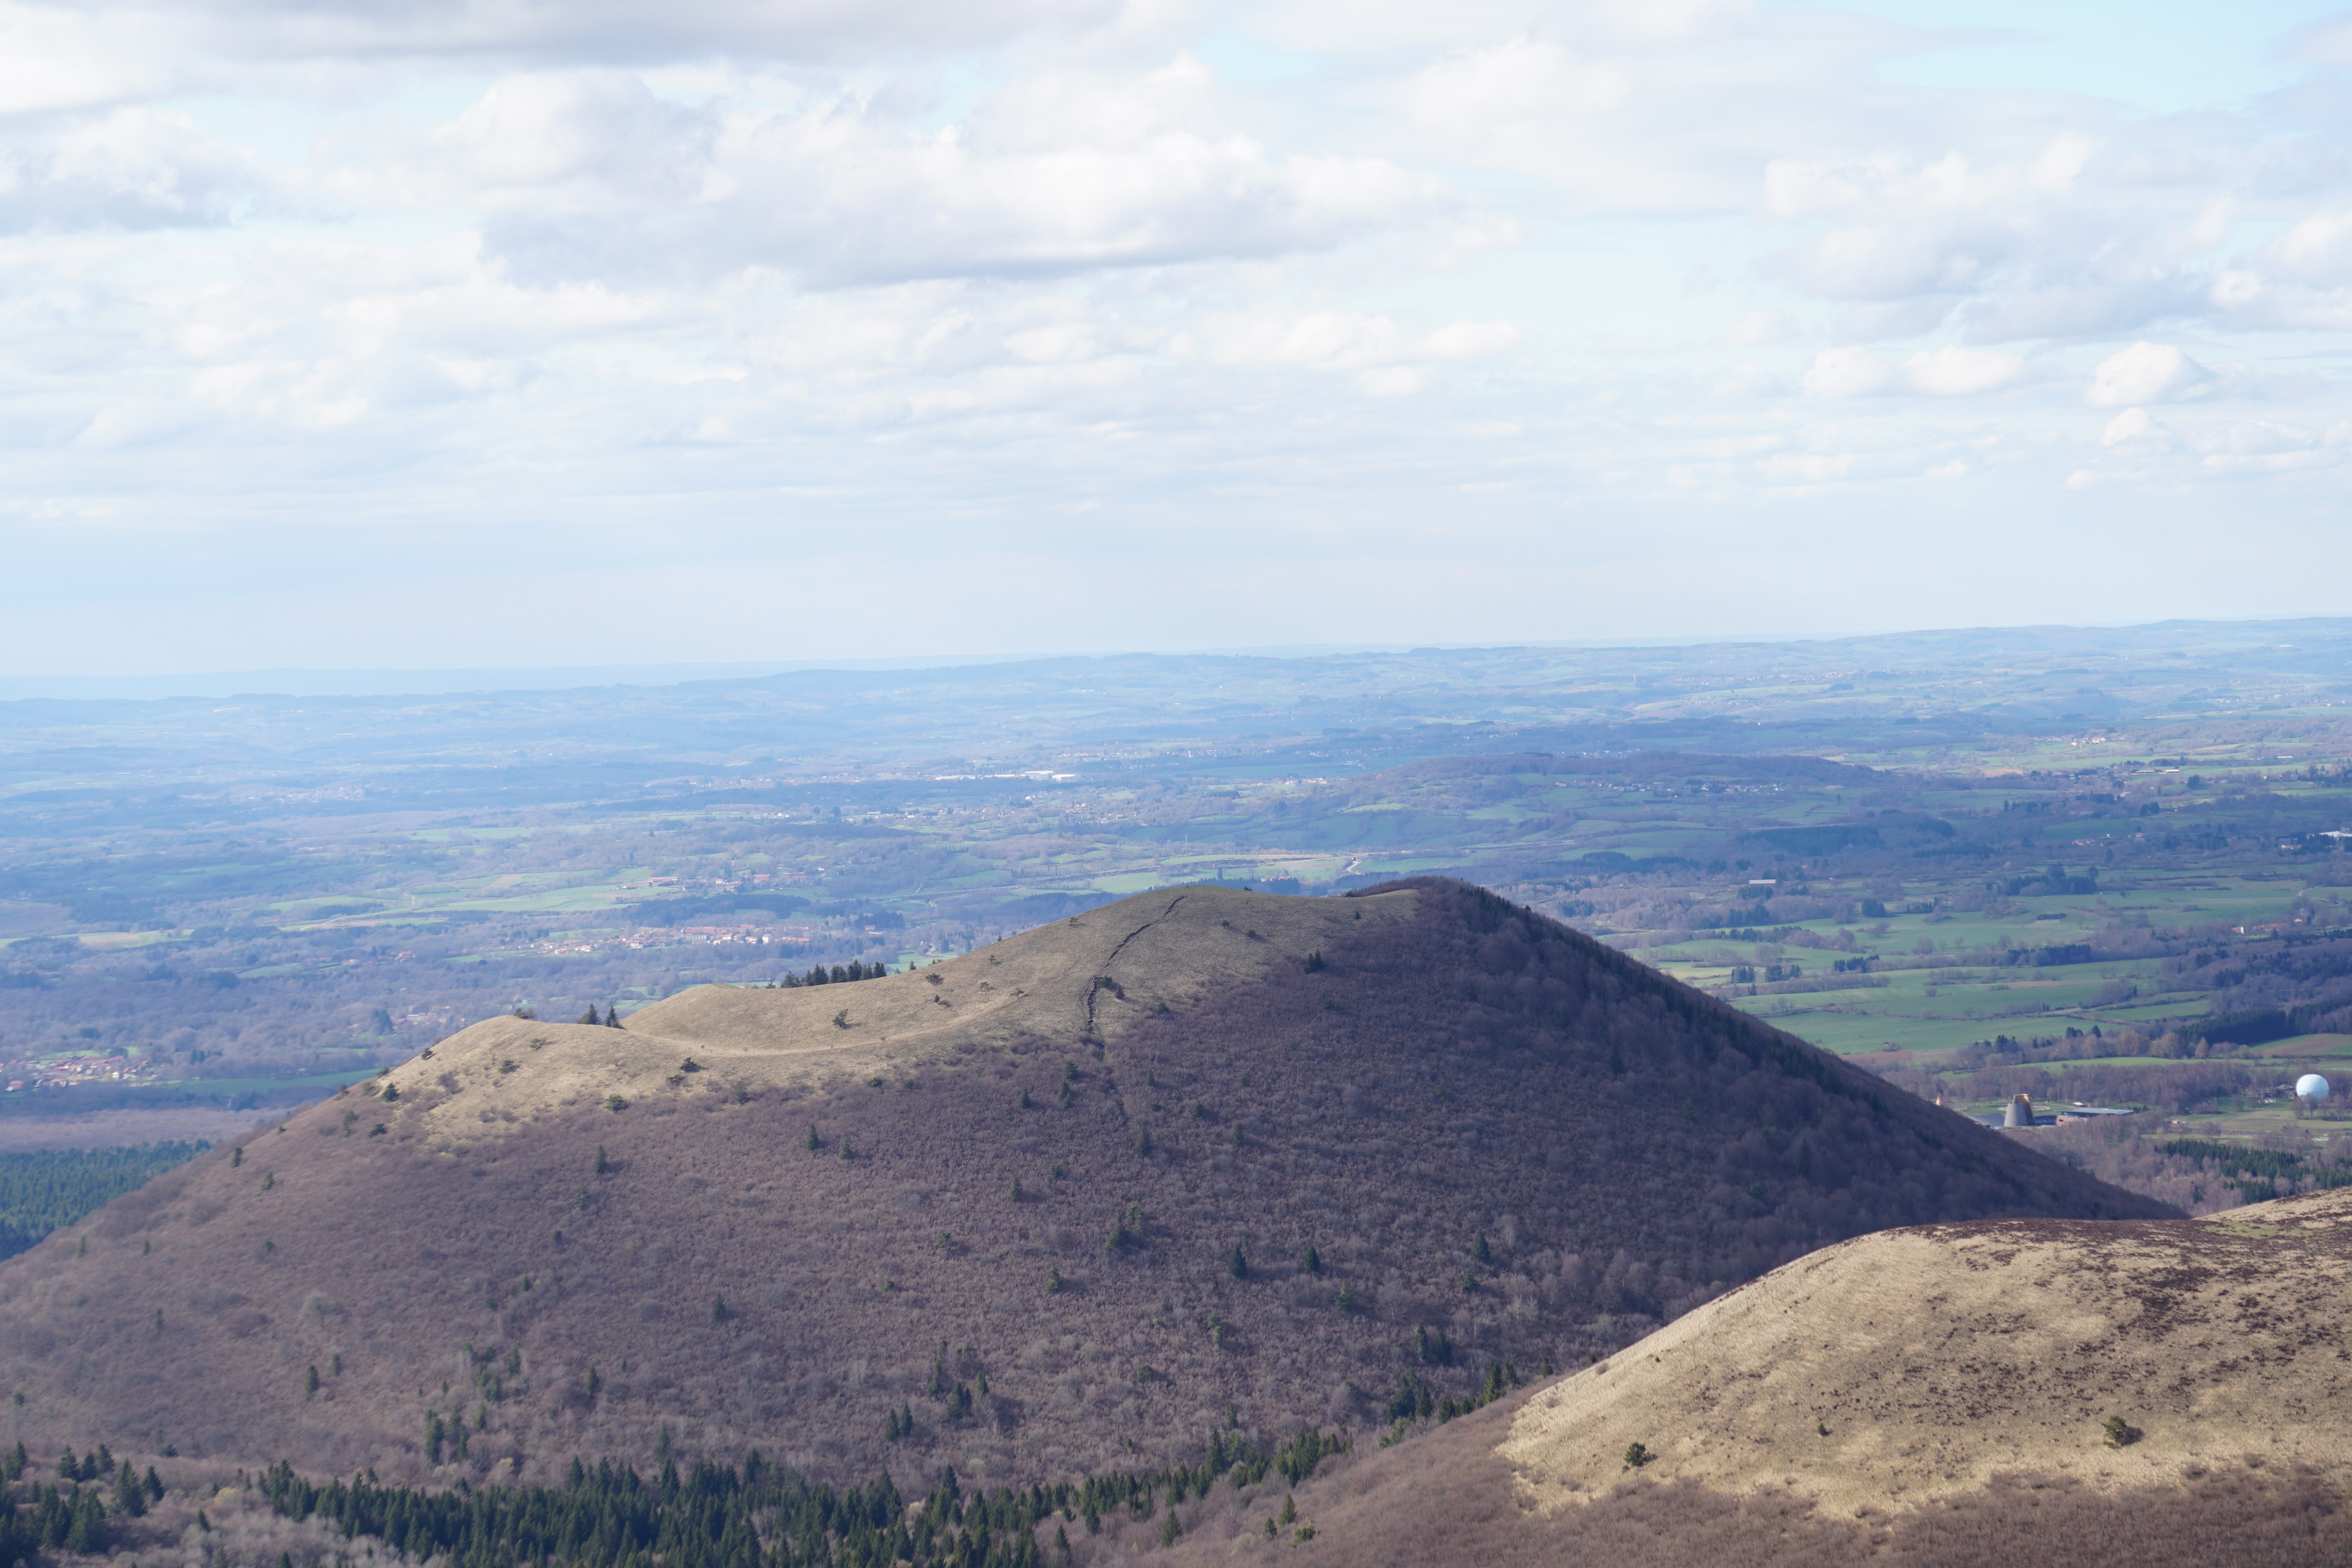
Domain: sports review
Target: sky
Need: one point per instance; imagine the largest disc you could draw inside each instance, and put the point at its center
(441, 333)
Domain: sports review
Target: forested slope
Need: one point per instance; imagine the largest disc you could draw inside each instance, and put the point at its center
(1201, 1163)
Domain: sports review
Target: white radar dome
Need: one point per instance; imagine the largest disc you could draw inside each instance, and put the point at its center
(2310, 1086)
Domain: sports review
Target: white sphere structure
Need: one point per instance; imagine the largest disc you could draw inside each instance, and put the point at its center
(2310, 1086)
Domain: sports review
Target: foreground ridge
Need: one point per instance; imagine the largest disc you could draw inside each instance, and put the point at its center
(2154, 1393)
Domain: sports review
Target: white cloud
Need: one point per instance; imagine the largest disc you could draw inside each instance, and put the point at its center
(1392, 381)
(2318, 250)
(1471, 339)
(2062, 241)
(1948, 371)
(1337, 340)
(1767, 326)
(2301, 278)
(1952, 371)
(1327, 339)
(2264, 446)
(53, 57)
(1747, 379)
(597, 31)
(1648, 108)
(2146, 372)
(2328, 41)
(2258, 438)
(2145, 450)
(1805, 469)
(588, 174)
(130, 168)
(1848, 372)
(731, 276)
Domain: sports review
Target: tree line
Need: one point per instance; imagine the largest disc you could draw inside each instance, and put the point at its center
(760, 1515)
(66, 1515)
(43, 1191)
(840, 974)
(2260, 1175)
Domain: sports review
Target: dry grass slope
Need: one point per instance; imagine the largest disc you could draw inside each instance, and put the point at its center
(1920, 1363)
(1043, 987)
(1026, 1172)
(1937, 1395)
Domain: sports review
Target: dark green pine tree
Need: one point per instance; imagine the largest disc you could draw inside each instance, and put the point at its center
(130, 1492)
(87, 1531)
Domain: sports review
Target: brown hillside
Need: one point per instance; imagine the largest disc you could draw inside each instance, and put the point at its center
(1932, 1395)
(1402, 1080)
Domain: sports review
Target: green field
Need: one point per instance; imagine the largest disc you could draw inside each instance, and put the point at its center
(208, 1088)
(1941, 809)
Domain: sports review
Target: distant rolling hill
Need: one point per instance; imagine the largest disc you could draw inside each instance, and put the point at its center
(2011, 1393)
(1201, 1160)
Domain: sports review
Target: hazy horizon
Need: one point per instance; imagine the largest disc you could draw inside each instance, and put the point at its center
(431, 680)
